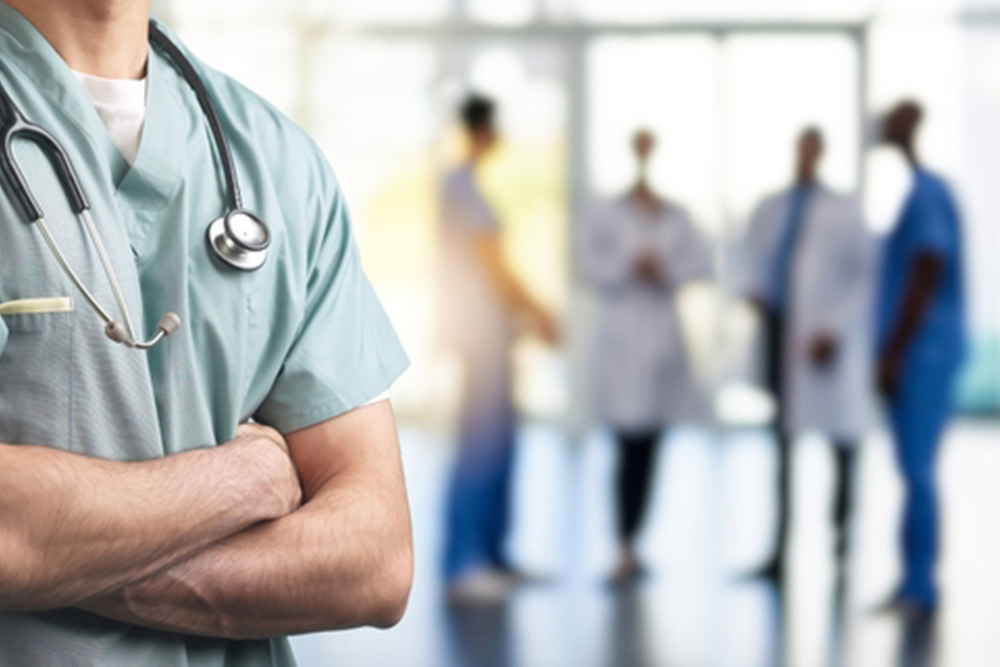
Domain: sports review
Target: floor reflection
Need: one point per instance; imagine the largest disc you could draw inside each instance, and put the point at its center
(629, 642)
(480, 635)
(919, 642)
(710, 517)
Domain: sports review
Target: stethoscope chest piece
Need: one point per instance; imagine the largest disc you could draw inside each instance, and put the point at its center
(240, 239)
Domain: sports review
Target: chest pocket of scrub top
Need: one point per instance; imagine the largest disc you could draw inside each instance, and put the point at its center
(36, 372)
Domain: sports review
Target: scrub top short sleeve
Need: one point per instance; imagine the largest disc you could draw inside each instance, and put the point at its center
(346, 351)
(933, 231)
(465, 207)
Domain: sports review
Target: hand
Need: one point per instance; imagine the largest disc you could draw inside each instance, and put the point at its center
(648, 269)
(890, 371)
(546, 327)
(278, 477)
(759, 304)
(823, 350)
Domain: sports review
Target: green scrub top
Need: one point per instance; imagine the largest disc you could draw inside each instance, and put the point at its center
(300, 341)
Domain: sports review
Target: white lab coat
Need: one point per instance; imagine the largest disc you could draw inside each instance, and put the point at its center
(831, 278)
(643, 379)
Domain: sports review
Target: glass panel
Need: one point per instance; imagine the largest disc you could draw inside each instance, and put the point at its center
(385, 162)
(387, 11)
(503, 12)
(776, 86)
(923, 60)
(980, 202)
(638, 11)
(351, 11)
(264, 68)
(670, 86)
(235, 11)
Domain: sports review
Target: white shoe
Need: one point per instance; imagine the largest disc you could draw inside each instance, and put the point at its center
(484, 586)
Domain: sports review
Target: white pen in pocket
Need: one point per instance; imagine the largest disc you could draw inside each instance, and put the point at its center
(58, 304)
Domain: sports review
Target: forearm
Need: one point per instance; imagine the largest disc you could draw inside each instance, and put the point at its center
(342, 560)
(331, 565)
(510, 289)
(921, 286)
(73, 527)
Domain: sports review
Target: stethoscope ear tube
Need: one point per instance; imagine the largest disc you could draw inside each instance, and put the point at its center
(156, 36)
(230, 245)
(16, 127)
(240, 238)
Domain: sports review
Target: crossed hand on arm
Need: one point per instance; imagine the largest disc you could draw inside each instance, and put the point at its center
(215, 542)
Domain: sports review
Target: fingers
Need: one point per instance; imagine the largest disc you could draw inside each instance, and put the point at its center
(253, 431)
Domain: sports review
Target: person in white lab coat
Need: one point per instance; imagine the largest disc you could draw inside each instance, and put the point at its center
(636, 251)
(809, 272)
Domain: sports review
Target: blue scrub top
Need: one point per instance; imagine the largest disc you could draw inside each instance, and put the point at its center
(929, 223)
(299, 342)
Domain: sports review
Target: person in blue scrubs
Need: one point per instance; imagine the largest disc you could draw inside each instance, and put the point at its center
(921, 336)
(481, 303)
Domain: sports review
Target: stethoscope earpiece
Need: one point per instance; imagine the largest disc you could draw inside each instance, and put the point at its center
(116, 332)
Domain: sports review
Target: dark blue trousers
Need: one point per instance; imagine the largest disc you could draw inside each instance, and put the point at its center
(920, 413)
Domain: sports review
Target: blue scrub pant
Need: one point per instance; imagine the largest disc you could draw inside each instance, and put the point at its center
(478, 514)
(920, 412)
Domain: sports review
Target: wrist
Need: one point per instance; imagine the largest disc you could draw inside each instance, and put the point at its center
(252, 479)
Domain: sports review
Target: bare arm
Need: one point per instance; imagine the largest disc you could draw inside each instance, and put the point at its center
(344, 559)
(73, 527)
(513, 293)
(925, 275)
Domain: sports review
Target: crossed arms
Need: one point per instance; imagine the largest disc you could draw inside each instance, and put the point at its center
(263, 536)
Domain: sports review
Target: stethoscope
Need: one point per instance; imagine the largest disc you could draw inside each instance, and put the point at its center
(239, 238)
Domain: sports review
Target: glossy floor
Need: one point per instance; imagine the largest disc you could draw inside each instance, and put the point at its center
(710, 518)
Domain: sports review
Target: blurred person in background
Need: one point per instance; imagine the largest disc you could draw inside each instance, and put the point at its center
(483, 305)
(637, 251)
(921, 345)
(809, 273)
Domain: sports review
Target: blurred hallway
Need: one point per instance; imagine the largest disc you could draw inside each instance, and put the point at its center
(709, 520)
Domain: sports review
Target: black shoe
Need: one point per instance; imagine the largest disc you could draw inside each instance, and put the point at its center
(909, 609)
(772, 571)
(627, 578)
(520, 577)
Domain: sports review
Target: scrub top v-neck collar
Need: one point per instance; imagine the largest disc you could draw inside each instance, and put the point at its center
(146, 188)
(36, 58)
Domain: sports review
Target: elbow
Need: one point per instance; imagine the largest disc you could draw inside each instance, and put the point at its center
(392, 586)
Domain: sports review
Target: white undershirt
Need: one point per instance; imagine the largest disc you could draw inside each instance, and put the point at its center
(121, 104)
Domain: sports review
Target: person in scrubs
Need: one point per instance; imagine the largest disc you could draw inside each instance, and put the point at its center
(194, 504)
(637, 251)
(482, 306)
(809, 271)
(921, 346)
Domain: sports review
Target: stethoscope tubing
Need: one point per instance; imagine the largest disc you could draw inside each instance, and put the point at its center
(232, 251)
(233, 193)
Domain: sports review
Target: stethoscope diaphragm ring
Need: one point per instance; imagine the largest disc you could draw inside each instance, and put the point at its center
(242, 249)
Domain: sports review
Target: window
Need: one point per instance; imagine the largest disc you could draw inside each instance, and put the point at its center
(669, 85)
(775, 86)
